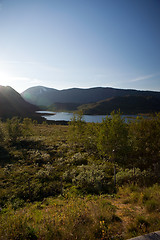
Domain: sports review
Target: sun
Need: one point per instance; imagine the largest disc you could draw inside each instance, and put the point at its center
(5, 78)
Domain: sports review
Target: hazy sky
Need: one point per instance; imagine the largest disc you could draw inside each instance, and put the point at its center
(80, 43)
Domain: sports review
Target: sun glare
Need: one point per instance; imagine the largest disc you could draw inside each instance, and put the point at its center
(5, 79)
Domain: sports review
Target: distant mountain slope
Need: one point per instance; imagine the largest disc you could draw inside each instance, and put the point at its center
(47, 96)
(12, 104)
(126, 104)
(40, 95)
(63, 107)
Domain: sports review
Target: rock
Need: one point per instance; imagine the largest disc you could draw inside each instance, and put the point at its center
(150, 236)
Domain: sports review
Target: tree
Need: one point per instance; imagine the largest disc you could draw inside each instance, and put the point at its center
(145, 140)
(113, 139)
(82, 133)
(77, 128)
(14, 129)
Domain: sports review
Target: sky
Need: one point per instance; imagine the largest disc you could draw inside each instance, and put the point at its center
(80, 43)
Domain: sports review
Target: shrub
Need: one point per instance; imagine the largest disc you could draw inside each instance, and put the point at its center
(90, 178)
(139, 226)
(152, 205)
(17, 227)
(128, 176)
(151, 198)
(78, 159)
(27, 126)
(17, 203)
(145, 177)
(45, 172)
(38, 157)
(14, 129)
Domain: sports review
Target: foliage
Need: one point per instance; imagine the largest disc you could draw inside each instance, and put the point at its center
(140, 225)
(56, 182)
(74, 218)
(76, 127)
(145, 141)
(78, 159)
(14, 129)
(135, 175)
(82, 133)
(27, 126)
(90, 179)
(113, 138)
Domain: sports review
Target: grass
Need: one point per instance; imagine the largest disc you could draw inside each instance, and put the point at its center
(78, 217)
(73, 218)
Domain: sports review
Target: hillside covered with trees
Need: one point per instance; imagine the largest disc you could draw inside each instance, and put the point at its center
(127, 105)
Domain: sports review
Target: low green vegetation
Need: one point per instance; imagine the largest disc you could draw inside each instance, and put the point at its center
(81, 181)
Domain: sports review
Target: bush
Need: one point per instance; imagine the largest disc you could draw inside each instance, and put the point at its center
(79, 159)
(90, 178)
(128, 176)
(17, 203)
(27, 126)
(151, 198)
(17, 228)
(38, 157)
(46, 172)
(139, 226)
(14, 129)
(152, 205)
(142, 178)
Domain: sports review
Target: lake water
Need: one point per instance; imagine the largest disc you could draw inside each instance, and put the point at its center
(65, 116)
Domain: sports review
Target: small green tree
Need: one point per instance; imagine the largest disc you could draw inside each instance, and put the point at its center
(27, 126)
(145, 141)
(77, 128)
(82, 133)
(113, 139)
(14, 129)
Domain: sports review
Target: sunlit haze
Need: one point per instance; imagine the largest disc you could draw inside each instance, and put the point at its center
(70, 43)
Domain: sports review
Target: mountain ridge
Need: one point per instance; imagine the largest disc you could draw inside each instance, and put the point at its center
(40, 95)
(12, 104)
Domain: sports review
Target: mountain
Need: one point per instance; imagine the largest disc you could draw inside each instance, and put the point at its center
(40, 96)
(63, 107)
(126, 104)
(43, 96)
(12, 104)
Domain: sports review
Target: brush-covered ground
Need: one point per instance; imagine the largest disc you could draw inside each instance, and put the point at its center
(57, 182)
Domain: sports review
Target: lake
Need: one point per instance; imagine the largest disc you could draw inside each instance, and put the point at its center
(66, 116)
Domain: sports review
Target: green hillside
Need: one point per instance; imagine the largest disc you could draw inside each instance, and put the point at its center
(126, 104)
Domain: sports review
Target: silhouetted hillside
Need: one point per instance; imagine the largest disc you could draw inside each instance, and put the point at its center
(47, 96)
(63, 107)
(126, 104)
(12, 104)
